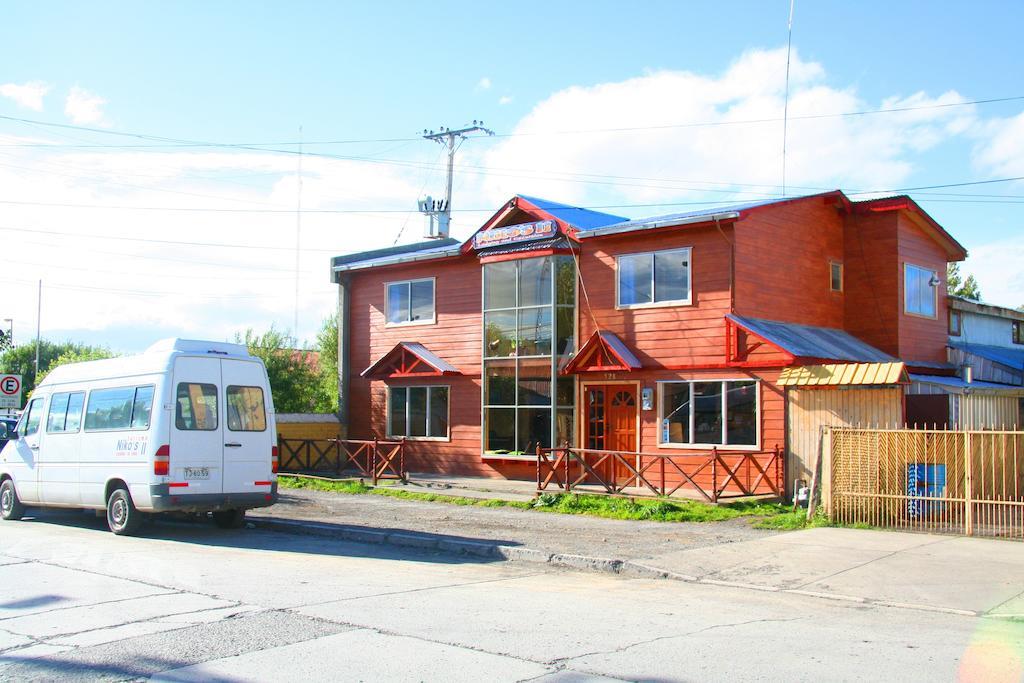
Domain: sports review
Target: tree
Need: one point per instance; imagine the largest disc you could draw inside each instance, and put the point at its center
(327, 345)
(958, 286)
(21, 360)
(294, 380)
(78, 354)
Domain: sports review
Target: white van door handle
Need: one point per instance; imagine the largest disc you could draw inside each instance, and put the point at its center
(35, 447)
(233, 445)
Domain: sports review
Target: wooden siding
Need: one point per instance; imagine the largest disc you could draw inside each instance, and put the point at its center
(922, 338)
(664, 335)
(977, 410)
(872, 280)
(812, 409)
(782, 263)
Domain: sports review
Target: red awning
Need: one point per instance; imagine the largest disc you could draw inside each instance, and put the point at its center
(603, 352)
(409, 359)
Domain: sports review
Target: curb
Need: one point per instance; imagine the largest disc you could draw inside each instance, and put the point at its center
(604, 565)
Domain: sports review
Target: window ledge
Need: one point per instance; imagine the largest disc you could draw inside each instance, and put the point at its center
(509, 456)
(708, 447)
(658, 304)
(412, 323)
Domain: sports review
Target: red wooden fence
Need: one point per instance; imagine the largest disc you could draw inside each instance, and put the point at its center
(372, 459)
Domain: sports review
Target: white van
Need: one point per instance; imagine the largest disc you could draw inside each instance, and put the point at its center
(186, 426)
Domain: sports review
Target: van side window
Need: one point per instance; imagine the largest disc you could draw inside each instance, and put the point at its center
(35, 416)
(142, 407)
(65, 412)
(121, 408)
(245, 409)
(196, 407)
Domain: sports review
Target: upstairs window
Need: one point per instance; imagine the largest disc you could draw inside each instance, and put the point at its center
(655, 278)
(411, 301)
(919, 290)
(1018, 332)
(835, 276)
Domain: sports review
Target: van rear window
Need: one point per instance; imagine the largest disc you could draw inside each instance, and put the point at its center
(196, 407)
(121, 408)
(245, 409)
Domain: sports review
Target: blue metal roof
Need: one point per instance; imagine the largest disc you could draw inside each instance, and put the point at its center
(809, 341)
(958, 383)
(584, 219)
(1013, 358)
(711, 211)
(621, 350)
(405, 252)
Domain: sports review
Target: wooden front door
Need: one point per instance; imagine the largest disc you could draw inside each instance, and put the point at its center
(611, 421)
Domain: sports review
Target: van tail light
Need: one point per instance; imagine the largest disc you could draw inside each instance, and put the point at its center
(273, 459)
(162, 461)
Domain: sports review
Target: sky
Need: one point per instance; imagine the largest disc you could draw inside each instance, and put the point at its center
(161, 162)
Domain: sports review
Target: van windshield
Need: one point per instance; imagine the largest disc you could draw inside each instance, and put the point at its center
(196, 407)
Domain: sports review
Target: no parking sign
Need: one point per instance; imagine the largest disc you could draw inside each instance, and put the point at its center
(10, 391)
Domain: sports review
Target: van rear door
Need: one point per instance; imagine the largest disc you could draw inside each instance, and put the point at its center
(197, 431)
(248, 438)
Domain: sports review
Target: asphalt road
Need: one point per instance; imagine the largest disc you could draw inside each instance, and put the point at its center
(188, 601)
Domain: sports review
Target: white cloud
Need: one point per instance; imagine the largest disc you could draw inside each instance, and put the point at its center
(504, 99)
(997, 268)
(718, 160)
(84, 107)
(483, 84)
(28, 95)
(1001, 151)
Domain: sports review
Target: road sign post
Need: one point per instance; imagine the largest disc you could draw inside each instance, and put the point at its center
(10, 391)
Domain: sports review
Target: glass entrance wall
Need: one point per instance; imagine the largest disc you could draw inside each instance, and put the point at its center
(529, 323)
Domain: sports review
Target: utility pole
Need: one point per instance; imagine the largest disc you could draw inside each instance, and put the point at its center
(440, 212)
(39, 325)
(298, 237)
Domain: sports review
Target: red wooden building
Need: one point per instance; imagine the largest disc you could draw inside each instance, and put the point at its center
(554, 324)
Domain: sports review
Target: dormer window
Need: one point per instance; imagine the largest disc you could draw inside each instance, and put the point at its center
(920, 290)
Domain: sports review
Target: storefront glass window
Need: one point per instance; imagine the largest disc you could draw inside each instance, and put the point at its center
(709, 413)
(529, 330)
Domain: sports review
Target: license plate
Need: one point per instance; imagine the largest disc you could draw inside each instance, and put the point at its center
(197, 473)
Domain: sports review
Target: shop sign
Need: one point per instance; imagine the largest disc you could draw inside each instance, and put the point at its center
(513, 234)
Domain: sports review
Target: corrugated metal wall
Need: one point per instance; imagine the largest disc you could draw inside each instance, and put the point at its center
(812, 409)
(976, 410)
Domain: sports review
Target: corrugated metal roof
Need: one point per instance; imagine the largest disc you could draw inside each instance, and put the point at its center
(958, 385)
(621, 350)
(400, 254)
(1012, 358)
(419, 350)
(808, 341)
(584, 219)
(722, 211)
(844, 374)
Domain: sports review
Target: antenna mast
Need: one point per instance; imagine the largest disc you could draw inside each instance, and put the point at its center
(440, 211)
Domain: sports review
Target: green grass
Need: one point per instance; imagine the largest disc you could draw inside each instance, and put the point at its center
(768, 515)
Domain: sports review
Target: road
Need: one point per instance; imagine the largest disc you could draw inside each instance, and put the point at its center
(188, 601)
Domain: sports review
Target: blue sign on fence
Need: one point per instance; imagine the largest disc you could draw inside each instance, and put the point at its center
(923, 482)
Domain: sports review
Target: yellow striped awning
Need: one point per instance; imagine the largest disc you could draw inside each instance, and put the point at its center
(843, 374)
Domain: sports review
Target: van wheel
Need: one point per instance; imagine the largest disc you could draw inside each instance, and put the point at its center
(229, 519)
(122, 517)
(10, 506)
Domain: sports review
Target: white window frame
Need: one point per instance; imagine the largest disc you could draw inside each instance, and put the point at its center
(724, 446)
(428, 387)
(842, 276)
(935, 292)
(657, 304)
(387, 302)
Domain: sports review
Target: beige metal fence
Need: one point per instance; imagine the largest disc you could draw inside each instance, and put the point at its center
(967, 482)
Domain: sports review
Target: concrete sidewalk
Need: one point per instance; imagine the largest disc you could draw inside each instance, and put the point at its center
(920, 571)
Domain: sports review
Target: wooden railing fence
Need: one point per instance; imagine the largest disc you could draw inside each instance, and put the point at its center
(374, 459)
(717, 475)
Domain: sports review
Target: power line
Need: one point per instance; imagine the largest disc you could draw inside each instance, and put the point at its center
(259, 146)
(222, 245)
